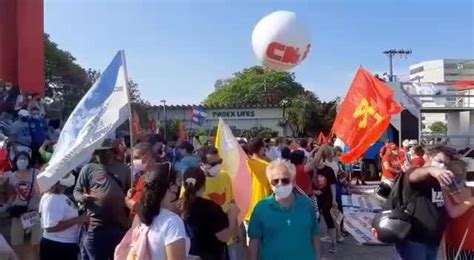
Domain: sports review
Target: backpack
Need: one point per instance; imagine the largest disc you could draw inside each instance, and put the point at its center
(395, 223)
(134, 245)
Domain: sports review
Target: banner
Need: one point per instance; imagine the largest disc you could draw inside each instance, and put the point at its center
(364, 114)
(104, 107)
(359, 224)
(235, 163)
(360, 201)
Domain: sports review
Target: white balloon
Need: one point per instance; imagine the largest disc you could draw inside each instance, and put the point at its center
(280, 42)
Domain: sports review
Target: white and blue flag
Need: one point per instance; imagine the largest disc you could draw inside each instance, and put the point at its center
(104, 107)
(198, 116)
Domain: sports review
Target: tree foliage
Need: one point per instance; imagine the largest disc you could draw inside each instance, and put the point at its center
(67, 82)
(255, 85)
(305, 114)
(438, 127)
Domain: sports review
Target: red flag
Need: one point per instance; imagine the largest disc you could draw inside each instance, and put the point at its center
(462, 85)
(322, 139)
(365, 114)
(182, 135)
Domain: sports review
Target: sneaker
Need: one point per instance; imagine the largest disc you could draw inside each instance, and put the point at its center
(340, 240)
(326, 240)
(333, 249)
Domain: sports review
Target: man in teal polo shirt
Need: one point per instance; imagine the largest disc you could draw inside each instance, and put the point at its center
(283, 225)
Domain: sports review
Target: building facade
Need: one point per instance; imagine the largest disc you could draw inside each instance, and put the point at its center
(444, 71)
(239, 118)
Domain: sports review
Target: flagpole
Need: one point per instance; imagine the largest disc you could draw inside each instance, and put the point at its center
(130, 122)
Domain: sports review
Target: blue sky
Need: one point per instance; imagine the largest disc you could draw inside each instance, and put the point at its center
(177, 49)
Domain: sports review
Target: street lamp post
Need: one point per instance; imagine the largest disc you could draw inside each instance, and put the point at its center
(164, 117)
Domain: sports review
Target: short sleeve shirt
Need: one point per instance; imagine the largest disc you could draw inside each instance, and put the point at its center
(206, 218)
(219, 190)
(417, 162)
(166, 229)
(394, 162)
(284, 233)
(53, 209)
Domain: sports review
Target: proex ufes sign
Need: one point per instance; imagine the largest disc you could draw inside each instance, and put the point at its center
(234, 114)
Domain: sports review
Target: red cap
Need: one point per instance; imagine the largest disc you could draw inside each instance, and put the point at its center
(392, 146)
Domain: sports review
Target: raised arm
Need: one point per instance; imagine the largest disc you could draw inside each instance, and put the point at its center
(443, 176)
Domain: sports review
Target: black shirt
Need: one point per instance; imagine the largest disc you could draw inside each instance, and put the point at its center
(428, 210)
(206, 218)
(325, 199)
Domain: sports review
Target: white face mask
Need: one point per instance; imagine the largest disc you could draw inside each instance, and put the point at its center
(68, 181)
(438, 165)
(283, 191)
(214, 171)
(138, 165)
(22, 164)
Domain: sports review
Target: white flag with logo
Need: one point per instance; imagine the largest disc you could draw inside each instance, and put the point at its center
(104, 107)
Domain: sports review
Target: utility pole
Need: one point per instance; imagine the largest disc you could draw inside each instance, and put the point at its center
(392, 52)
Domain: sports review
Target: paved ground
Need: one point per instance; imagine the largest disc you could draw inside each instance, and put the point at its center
(350, 249)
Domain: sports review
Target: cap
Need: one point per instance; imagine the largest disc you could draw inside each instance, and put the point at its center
(392, 146)
(23, 113)
(413, 142)
(405, 143)
(107, 144)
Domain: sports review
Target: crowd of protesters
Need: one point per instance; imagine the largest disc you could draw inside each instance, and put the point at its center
(171, 200)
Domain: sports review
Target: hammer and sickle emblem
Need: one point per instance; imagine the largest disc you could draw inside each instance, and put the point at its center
(363, 111)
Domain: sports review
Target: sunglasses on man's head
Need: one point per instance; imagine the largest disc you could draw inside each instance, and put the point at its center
(283, 181)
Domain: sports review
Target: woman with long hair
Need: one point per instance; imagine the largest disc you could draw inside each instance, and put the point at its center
(166, 233)
(207, 224)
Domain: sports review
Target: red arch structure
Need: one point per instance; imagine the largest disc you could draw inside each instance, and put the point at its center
(22, 44)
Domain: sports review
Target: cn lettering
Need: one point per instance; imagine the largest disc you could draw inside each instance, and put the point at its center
(286, 54)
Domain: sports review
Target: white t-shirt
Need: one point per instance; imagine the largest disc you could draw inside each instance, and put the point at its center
(166, 228)
(54, 208)
(274, 153)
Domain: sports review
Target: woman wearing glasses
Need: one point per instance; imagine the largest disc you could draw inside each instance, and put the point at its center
(207, 224)
(166, 235)
(283, 225)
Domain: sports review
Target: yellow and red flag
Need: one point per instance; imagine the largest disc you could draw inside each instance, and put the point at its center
(234, 161)
(364, 115)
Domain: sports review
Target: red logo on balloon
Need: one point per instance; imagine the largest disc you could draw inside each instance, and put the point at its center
(286, 54)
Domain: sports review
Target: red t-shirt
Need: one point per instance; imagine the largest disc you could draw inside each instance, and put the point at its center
(394, 162)
(402, 155)
(304, 179)
(456, 229)
(417, 162)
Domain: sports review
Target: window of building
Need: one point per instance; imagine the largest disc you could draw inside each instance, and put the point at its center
(417, 70)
